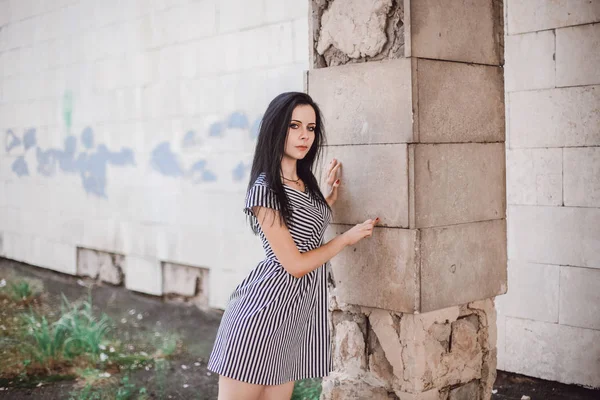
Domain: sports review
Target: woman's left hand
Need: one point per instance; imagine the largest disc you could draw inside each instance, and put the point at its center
(333, 182)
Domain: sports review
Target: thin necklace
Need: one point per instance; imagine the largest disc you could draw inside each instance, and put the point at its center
(291, 180)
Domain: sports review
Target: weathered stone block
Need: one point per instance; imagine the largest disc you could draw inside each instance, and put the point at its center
(458, 102)
(358, 270)
(462, 263)
(582, 177)
(554, 235)
(538, 15)
(536, 285)
(578, 55)
(580, 297)
(385, 181)
(530, 61)
(467, 31)
(457, 183)
(107, 267)
(339, 387)
(470, 391)
(185, 280)
(534, 176)
(545, 350)
(365, 103)
(349, 348)
(554, 118)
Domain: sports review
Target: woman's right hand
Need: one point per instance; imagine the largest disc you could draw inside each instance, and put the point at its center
(360, 231)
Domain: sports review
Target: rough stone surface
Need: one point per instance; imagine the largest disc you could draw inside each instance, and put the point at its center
(580, 297)
(462, 263)
(358, 270)
(578, 55)
(545, 350)
(554, 118)
(470, 391)
(555, 235)
(349, 348)
(413, 356)
(360, 105)
(530, 61)
(459, 102)
(535, 176)
(458, 183)
(467, 31)
(356, 31)
(538, 15)
(381, 190)
(582, 177)
(386, 328)
(339, 387)
(188, 281)
(106, 267)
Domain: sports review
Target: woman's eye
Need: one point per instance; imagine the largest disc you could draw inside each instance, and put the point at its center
(293, 126)
(311, 128)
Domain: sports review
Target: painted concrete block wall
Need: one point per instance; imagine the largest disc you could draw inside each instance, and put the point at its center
(129, 127)
(549, 321)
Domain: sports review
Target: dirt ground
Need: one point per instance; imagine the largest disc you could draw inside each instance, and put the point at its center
(187, 376)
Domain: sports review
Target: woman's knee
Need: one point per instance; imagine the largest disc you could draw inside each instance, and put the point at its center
(278, 392)
(231, 389)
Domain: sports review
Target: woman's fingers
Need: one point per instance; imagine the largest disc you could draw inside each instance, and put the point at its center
(332, 171)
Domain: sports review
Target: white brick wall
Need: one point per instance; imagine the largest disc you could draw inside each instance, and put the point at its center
(548, 322)
(140, 74)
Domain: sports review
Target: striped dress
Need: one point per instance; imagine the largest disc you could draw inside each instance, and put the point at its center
(275, 328)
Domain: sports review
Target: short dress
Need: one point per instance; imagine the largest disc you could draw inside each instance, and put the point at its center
(275, 326)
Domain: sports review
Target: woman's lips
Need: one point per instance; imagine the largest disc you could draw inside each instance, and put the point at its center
(303, 148)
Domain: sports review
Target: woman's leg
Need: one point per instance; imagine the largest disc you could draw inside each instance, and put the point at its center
(231, 389)
(278, 392)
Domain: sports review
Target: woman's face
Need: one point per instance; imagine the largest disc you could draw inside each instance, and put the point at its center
(301, 132)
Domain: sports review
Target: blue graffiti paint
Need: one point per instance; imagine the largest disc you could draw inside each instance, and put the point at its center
(199, 173)
(239, 171)
(255, 128)
(209, 176)
(11, 141)
(190, 139)
(92, 167)
(66, 159)
(47, 161)
(29, 139)
(216, 129)
(165, 161)
(19, 167)
(238, 120)
(87, 137)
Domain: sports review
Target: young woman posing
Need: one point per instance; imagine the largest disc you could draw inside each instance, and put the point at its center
(274, 330)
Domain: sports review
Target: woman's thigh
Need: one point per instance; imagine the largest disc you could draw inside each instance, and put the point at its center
(231, 389)
(278, 392)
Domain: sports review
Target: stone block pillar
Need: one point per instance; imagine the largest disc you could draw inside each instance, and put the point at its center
(413, 98)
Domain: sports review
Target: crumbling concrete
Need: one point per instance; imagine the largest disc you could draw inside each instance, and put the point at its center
(448, 352)
(101, 265)
(352, 31)
(185, 283)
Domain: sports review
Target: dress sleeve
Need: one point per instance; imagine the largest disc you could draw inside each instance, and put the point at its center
(260, 195)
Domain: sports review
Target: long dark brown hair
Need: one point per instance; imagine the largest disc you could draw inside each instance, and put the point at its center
(270, 148)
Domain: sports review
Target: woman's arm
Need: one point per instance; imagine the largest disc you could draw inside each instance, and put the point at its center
(299, 264)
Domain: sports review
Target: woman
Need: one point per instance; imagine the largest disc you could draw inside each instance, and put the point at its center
(274, 330)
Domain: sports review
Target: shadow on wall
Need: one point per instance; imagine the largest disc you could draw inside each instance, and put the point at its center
(92, 160)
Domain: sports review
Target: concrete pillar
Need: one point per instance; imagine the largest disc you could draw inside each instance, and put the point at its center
(413, 99)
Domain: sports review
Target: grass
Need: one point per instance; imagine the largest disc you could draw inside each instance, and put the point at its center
(38, 344)
(308, 389)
